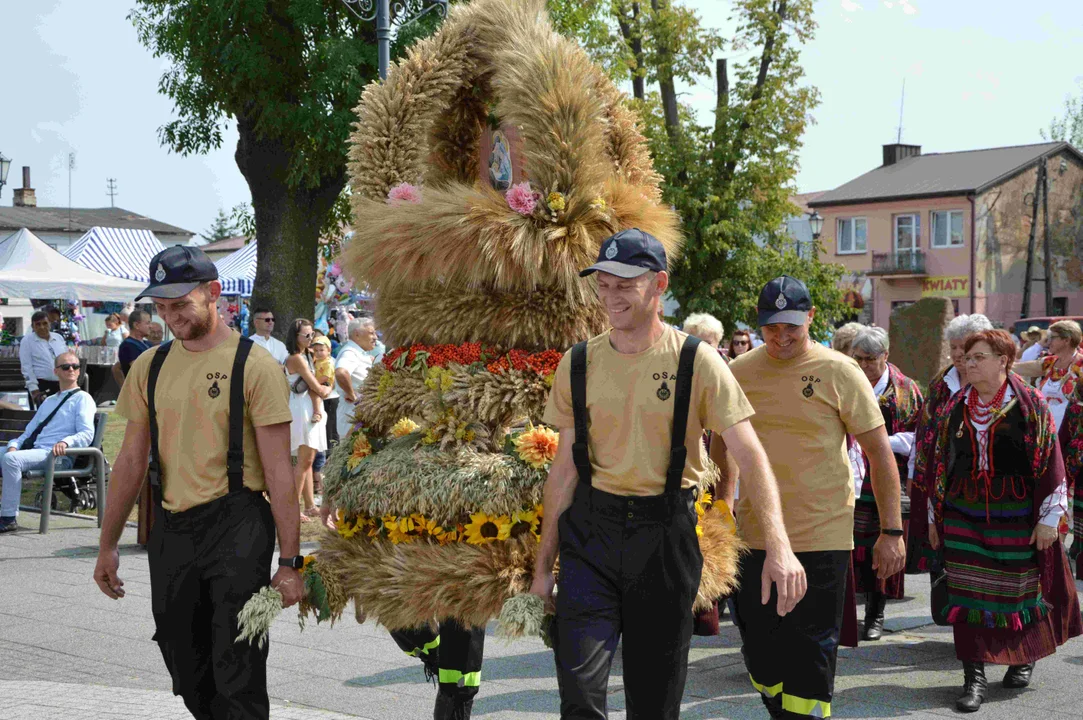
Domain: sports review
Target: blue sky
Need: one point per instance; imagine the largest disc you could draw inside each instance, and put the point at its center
(979, 73)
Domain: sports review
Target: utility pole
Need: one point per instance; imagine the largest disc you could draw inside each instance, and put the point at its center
(1045, 236)
(111, 190)
(1029, 279)
(902, 104)
(71, 166)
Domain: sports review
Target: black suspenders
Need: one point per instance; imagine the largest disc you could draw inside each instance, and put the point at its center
(235, 454)
(682, 398)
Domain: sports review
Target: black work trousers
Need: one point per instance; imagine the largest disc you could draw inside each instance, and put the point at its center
(452, 653)
(629, 566)
(791, 659)
(330, 411)
(205, 564)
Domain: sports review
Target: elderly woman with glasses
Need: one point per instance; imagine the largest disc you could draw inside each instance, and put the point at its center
(998, 493)
(1062, 370)
(900, 403)
(942, 389)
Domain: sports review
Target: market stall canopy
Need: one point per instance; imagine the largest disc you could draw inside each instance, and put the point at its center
(237, 271)
(119, 252)
(31, 269)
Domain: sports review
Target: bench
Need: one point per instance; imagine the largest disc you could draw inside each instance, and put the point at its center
(11, 376)
(13, 423)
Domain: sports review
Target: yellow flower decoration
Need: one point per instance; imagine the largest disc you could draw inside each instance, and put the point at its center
(345, 528)
(537, 446)
(483, 529)
(362, 448)
(387, 380)
(404, 427)
(309, 559)
(599, 204)
(523, 522)
(555, 201)
(450, 536)
(438, 379)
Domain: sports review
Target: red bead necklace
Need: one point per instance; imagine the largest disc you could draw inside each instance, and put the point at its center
(982, 413)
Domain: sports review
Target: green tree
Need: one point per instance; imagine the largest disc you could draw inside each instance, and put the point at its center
(288, 73)
(730, 182)
(1069, 127)
(220, 229)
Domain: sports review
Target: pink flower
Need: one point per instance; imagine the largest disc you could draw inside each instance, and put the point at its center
(334, 271)
(522, 199)
(404, 193)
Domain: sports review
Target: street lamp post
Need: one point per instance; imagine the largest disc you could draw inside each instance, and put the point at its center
(5, 165)
(816, 224)
(384, 12)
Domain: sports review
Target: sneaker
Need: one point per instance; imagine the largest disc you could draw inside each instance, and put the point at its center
(8, 524)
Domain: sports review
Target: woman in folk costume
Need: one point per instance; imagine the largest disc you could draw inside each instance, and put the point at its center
(1059, 372)
(1071, 445)
(998, 494)
(941, 390)
(900, 403)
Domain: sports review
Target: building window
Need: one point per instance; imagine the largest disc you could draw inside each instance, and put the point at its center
(1060, 307)
(907, 233)
(852, 236)
(947, 229)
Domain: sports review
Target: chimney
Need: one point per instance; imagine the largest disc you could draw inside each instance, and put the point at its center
(898, 152)
(24, 196)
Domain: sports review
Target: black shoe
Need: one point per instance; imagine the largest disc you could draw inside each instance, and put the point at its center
(8, 524)
(974, 687)
(1018, 676)
(450, 707)
(875, 603)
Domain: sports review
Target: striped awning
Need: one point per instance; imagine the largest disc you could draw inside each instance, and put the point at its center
(118, 252)
(237, 271)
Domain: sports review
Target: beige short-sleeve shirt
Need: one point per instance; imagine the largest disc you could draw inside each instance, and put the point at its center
(630, 408)
(192, 404)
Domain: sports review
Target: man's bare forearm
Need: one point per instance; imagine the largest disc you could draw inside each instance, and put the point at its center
(558, 494)
(273, 442)
(884, 476)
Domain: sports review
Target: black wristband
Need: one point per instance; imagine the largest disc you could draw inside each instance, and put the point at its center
(891, 532)
(296, 562)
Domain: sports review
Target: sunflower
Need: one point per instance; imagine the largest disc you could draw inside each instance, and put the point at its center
(429, 528)
(400, 530)
(523, 522)
(346, 528)
(537, 446)
(361, 450)
(446, 537)
(484, 528)
(309, 559)
(403, 427)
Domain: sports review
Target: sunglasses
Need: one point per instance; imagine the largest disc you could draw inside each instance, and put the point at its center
(306, 336)
(68, 366)
(270, 319)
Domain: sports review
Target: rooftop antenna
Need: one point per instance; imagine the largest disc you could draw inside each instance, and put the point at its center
(111, 190)
(902, 103)
(71, 166)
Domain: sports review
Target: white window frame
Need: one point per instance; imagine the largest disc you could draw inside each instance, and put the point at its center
(933, 223)
(915, 219)
(853, 236)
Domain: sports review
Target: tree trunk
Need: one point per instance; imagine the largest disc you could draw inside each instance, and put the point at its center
(666, 87)
(632, 33)
(289, 220)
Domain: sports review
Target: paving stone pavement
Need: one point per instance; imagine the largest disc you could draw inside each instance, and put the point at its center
(69, 652)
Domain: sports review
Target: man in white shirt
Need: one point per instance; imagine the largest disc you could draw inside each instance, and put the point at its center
(352, 367)
(264, 321)
(38, 352)
(1033, 350)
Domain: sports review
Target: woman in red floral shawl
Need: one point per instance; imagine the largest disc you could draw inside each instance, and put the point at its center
(1071, 444)
(900, 403)
(998, 494)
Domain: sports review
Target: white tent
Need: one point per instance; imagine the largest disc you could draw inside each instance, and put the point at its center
(117, 252)
(31, 269)
(237, 271)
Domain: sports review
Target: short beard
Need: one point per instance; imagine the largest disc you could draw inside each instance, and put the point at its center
(197, 330)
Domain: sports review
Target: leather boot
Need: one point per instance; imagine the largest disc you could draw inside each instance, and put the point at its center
(452, 707)
(875, 602)
(974, 687)
(1018, 676)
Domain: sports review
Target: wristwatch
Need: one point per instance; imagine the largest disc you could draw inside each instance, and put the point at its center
(891, 532)
(296, 562)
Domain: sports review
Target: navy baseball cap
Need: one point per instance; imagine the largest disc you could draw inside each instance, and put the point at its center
(784, 300)
(177, 271)
(629, 254)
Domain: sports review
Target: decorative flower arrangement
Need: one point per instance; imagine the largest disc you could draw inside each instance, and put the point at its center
(484, 528)
(469, 354)
(537, 446)
(599, 204)
(522, 199)
(555, 202)
(403, 428)
(404, 193)
(362, 448)
(479, 529)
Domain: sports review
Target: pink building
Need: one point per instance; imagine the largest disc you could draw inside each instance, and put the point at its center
(957, 225)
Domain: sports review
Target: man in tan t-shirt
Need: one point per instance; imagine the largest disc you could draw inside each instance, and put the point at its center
(807, 399)
(629, 555)
(212, 541)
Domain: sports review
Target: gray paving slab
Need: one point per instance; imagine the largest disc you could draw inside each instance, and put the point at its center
(76, 654)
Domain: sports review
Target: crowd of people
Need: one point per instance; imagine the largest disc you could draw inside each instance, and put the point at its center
(851, 477)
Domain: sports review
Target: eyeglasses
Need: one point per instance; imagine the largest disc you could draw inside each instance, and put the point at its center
(978, 357)
(68, 366)
(266, 319)
(306, 336)
(740, 342)
(865, 360)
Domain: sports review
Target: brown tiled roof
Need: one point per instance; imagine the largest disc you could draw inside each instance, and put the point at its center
(226, 245)
(55, 219)
(936, 174)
